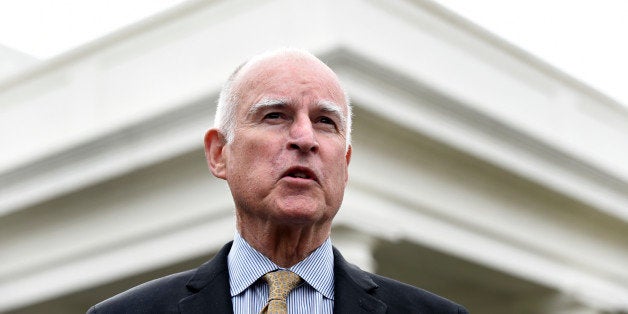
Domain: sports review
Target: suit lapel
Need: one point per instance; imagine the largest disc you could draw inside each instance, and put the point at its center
(353, 288)
(210, 285)
(210, 288)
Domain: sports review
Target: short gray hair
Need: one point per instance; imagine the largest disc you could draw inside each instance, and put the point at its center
(225, 118)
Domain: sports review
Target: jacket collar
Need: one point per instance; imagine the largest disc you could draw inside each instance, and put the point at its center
(354, 288)
(210, 285)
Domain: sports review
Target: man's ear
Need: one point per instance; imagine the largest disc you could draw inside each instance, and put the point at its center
(214, 153)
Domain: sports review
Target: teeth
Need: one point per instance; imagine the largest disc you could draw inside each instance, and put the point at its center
(300, 175)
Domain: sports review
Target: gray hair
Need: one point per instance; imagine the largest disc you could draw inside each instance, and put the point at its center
(225, 118)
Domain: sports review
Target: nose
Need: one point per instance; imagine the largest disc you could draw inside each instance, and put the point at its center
(302, 136)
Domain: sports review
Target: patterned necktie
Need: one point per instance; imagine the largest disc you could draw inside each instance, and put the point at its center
(280, 283)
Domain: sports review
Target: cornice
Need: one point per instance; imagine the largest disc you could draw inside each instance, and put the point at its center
(415, 104)
(400, 99)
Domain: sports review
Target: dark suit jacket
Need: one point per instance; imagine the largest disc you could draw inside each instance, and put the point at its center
(206, 290)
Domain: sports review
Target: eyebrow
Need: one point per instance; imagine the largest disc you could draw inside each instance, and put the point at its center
(266, 103)
(333, 108)
(323, 105)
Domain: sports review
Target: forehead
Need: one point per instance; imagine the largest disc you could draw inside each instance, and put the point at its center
(294, 77)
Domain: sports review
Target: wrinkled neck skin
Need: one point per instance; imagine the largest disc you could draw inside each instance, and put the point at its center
(285, 245)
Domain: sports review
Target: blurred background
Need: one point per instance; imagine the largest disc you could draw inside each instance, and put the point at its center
(489, 148)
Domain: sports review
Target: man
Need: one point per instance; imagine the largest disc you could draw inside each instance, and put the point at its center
(282, 142)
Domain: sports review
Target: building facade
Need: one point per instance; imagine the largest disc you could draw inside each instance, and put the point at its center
(478, 172)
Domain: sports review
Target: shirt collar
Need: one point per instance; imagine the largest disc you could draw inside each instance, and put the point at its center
(247, 265)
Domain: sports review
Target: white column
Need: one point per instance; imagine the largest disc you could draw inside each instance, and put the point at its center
(356, 247)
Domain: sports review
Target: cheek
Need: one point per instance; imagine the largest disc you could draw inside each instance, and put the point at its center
(337, 174)
(253, 161)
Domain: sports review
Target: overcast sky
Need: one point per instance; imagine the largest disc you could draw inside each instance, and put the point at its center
(584, 38)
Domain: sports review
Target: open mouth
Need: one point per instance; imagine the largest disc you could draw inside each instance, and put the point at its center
(300, 173)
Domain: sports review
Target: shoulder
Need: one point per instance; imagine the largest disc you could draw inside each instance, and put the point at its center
(164, 294)
(404, 298)
(157, 296)
(397, 296)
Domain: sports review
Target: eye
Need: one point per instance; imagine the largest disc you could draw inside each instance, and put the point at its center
(326, 120)
(273, 115)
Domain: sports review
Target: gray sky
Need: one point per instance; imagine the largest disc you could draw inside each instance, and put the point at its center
(584, 38)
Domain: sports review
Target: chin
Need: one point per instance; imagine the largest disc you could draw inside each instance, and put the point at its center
(301, 212)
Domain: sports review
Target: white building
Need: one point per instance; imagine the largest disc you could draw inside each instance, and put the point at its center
(478, 172)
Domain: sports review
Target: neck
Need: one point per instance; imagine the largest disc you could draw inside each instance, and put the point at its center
(284, 245)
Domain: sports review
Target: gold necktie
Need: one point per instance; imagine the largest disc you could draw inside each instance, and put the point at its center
(280, 283)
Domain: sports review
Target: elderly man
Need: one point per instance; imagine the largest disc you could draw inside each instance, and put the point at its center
(282, 142)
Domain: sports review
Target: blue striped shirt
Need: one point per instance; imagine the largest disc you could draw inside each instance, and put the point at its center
(249, 292)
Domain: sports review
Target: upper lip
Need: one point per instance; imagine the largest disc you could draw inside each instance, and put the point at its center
(300, 171)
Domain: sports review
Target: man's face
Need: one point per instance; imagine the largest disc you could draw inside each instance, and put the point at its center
(288, 161)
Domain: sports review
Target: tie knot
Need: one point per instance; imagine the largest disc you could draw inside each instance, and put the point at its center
(280, 283)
